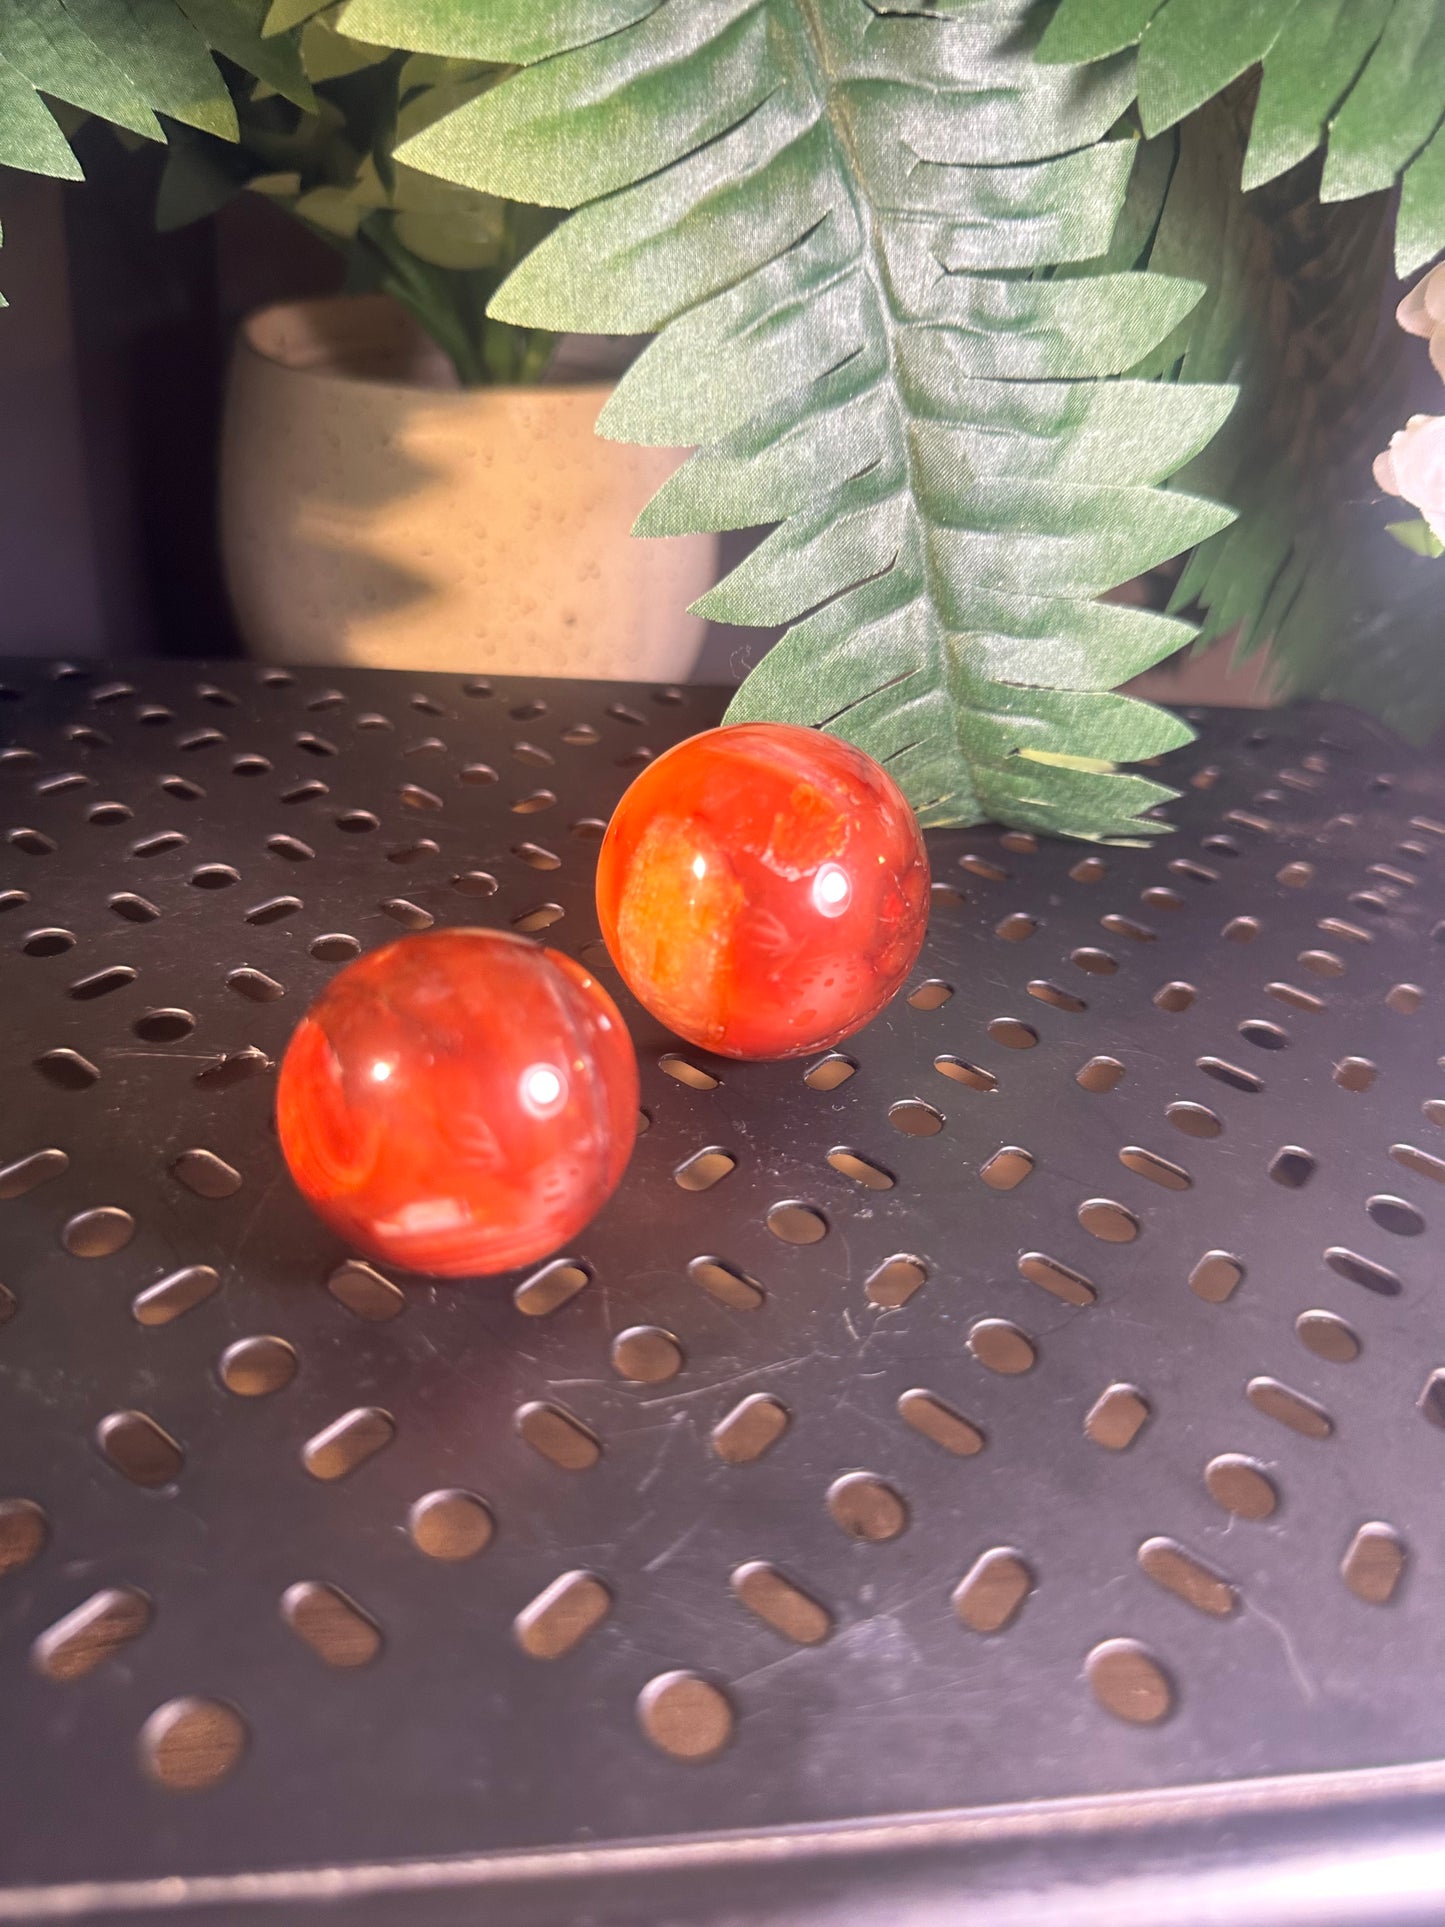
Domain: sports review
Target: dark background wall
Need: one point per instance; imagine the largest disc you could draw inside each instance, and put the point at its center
(112, 367)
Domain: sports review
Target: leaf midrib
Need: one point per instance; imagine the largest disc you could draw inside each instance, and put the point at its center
(851, 172)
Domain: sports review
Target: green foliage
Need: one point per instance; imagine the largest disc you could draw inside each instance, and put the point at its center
(957, 294)
(126, 60)
(327, 156)
(856, 231)
(1417, 536)
(302, 112)
(1364, 79)
(1297, 314)
(1293, 245)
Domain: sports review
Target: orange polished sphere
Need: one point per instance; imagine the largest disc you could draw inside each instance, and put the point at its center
(459, 1102)
(763, 889)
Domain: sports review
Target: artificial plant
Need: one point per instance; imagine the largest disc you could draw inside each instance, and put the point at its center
(989, 305)
(326, 155)
(961, 295)
(268, 95)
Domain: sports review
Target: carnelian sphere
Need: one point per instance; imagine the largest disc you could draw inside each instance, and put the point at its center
(459, 1102)
(763, 889)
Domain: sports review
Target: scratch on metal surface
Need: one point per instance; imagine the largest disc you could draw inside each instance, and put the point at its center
(268, 1190)
(674, 1430)
(1309, 1691)
(736, 1378)
(668, 1552)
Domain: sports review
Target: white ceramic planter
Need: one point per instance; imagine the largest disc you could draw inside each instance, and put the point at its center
(374, 512)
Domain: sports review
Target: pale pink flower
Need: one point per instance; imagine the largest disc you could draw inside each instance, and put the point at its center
(1413, 466)
(1423, 309)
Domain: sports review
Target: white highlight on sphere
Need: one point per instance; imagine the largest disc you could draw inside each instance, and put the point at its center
(381, 1070)
(699, 867)
(543, 1088)
(832, 890)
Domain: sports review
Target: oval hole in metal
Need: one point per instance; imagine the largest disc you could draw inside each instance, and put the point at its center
(1174, 997)
(1363, 1271)
(962, 1072)
(1117, 1417)
(1148, 1164)
(867, 1507)
(1106, 1219)
(829, 1072)
(1374, 1564)
(451, 1524)
(336, 1629)
(562, 1615)
(174, 1295)
(552, 1287)
(558, 1436)
(1129, 1682)
(752, 1427)
(780, 1604)
(1060, 1279)
(1007, 1168)
(726, 1283)
(938, 1421)
(365, 1292)
(989, 1596)
(1100, 1075)
(797, 1223)
(98, 1628)
(1240, 1486)
(348, 1442)
(1002, 1347)
(894, 1282)
(1194, 1120)
(1291, 1408)
(683, 1072)
(1328, 1337)
(24, 1531)
(1179, 1571)
(1395, 1215)
(139, 1448)
(190, 1744)
(685, 1716)
(863, 1171)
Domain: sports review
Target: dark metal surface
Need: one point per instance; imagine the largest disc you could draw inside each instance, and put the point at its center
(454, 1741)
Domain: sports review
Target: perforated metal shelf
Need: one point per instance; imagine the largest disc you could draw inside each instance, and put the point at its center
(1041, 1401)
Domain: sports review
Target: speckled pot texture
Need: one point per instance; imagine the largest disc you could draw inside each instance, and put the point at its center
(373, 512)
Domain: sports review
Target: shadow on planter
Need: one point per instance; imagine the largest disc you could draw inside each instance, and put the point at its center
(375, 512)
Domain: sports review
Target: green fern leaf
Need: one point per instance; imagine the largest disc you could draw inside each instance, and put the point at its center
(1393, 108)
(1297, 313)
(854, 230)
(153, 43)
(1312, 65)
(1420, 224)
(29, 138)
(234, 28)
(127, 61)
(45, 43)
(1192, 49)
(1364, 77)
(511, 31)
(1085, 30)
(283, 15)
